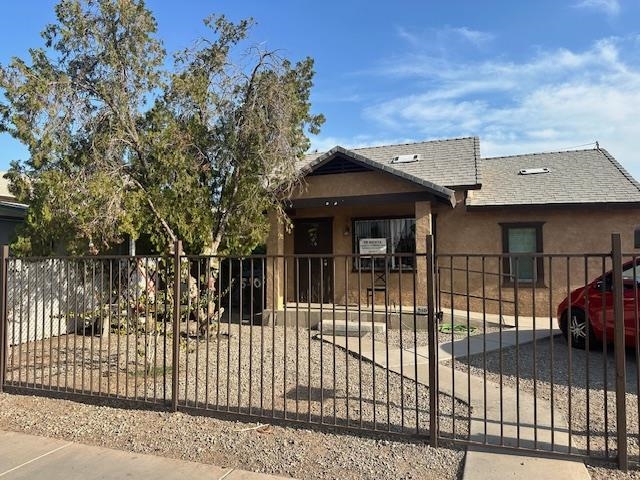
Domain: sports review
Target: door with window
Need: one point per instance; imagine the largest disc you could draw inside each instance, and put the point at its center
(313, 274)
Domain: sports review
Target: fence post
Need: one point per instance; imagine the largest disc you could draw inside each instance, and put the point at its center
(177, 252)
(619, 351)
(4, 344)
(433, 346)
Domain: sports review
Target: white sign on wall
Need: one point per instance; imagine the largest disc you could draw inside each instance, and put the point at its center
(373, 246)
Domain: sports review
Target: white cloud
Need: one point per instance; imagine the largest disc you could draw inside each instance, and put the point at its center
(556, 100)
(442, 38)
(609, 7)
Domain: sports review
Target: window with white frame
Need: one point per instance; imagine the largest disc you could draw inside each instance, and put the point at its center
(400, 236)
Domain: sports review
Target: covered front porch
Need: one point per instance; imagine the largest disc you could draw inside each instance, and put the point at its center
(353, 245)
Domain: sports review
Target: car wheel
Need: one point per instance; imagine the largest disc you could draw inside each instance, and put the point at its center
(579, 328)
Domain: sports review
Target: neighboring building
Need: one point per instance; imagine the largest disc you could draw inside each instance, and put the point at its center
(562, 202)
(11, 213)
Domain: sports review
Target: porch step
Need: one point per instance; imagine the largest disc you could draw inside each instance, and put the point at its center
(341, 327)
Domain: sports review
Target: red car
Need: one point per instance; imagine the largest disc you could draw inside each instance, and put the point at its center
(598, 310)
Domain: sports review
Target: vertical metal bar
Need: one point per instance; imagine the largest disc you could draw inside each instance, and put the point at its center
(415, 344)
(321, 299)
(587, 357)
(4, 256)
(619, 350)
(605, 363)
(84, 316)
(500, 359)
(373, 350)
(219, 316)
(535, 352)
(187, 338)
(386, 335)
(468, 325)
(570, 356)
(119, 306)
(263, 278)
(176, 325)
(285, 364)
(102, 329)
(240, 321)
(210, 285)
(22, 270)
(251, 336)
(517, 322)
(453, 367)
(35, 327)
(92, 320)
(346, 338)
(51, 263)
(273, 333)
(198, 307)
(433, 346)
(297, 330)
(484, 347)
(551, 363)
(321, 327)
(360, 344)
(27, 266)
(67, 315)
(228, 369)
(109, 323)
(401, 355)
(13, 346)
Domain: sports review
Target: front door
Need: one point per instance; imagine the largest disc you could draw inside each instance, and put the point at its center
(314, 275)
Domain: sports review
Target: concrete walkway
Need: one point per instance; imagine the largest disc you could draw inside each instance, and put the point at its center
(29, 457)
(499, 416)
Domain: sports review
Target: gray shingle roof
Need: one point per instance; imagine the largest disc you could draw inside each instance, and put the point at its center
(448, 163)
(577, 177)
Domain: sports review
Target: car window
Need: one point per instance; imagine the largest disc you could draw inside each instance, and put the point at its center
(631, 273)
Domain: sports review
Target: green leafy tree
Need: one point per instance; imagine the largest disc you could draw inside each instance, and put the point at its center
(120, 145)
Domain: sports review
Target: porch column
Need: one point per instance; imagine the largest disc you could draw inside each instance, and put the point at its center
(275, 266)
(423, 228)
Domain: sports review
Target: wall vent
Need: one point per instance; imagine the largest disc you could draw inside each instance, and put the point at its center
(533, 171)
(413, 157)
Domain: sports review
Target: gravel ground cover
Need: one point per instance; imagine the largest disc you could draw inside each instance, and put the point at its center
(287, 451)
(584, 393)
(411, 338)
(266, 371)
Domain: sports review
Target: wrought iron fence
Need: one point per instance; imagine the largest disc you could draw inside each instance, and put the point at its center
(449, 347)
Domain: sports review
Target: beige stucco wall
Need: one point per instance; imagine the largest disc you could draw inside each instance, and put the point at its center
(351, 184)
(566, 230)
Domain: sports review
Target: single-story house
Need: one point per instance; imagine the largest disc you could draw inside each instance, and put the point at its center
(389, 198)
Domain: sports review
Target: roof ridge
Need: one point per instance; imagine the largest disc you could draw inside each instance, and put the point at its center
(538, 153)
(414, 143)
(620, 168)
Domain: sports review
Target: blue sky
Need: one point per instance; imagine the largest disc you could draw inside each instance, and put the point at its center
(523, 76)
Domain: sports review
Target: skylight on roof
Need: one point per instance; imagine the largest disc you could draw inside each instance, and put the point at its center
(413, 157)
(533, 171)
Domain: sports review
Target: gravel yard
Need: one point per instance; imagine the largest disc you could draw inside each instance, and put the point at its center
(544, 368)
(296, 452)
(257, 370)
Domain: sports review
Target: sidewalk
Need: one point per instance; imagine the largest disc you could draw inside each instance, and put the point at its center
(25, 456)
(500, 415)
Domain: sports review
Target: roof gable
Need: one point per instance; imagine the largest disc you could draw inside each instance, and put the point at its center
(354, 159)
